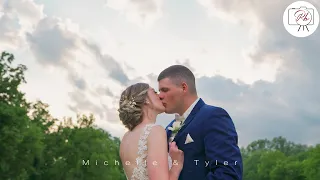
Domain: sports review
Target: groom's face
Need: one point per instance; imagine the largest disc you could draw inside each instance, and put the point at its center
(170, 95)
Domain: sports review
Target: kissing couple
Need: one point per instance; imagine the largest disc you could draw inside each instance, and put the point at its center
(200, 143)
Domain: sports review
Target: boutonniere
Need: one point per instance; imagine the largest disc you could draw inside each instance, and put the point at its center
(176, 126)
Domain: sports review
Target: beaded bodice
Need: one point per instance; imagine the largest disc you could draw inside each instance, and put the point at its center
(140, 171)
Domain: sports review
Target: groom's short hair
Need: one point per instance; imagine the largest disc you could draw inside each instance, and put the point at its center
(179, 74)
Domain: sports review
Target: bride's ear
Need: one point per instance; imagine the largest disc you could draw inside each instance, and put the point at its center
(147, 101)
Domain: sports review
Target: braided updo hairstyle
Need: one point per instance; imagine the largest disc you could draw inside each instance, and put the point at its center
(131, 104)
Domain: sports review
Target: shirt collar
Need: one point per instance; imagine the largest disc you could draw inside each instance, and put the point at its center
(188, 111)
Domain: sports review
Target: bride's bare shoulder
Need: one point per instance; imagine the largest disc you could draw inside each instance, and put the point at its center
(125, 140)
(157, 132)
(157, 128)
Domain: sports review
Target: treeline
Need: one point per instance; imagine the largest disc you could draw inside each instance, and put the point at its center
(279, 159)
(35, 146)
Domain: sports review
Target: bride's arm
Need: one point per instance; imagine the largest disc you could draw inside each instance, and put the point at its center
(157, 160)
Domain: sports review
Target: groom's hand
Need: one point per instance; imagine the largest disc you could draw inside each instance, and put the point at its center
(176, 155)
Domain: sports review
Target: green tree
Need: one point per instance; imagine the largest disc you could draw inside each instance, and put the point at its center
(279, 159)
(20, 139)
(33, 145)
(312, 163)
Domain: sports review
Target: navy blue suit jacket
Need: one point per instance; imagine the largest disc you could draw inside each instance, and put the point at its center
(214, 154)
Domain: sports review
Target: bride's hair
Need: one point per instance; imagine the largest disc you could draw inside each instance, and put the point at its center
(131, 104)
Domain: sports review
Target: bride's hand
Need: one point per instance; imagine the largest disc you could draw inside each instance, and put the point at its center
(176, 155)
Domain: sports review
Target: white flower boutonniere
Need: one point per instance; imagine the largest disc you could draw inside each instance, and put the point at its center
(176, 126)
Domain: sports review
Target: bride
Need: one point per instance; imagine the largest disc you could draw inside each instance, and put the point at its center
(144, 148)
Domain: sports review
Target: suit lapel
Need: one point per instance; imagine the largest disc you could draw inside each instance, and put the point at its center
(169, 132)
(194, 111)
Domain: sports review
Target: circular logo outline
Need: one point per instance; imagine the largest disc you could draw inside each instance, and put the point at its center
(301, 19)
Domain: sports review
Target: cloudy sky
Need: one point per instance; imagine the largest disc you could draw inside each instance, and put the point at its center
(81, 54)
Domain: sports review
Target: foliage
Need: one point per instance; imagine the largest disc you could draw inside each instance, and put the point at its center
(280, 159)
(34, 146)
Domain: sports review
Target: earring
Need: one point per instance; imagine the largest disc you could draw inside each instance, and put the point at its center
(147, 102)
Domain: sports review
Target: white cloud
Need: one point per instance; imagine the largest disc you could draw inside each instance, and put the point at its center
(142, 12)
(28, 11)
(9, 33)
(17, 18)
(59, 43)
(52, 43)
(289, 106)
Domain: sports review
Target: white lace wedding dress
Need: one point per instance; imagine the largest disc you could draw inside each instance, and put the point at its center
(140, 172)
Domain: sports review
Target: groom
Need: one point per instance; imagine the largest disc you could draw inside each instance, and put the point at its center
(205, 133)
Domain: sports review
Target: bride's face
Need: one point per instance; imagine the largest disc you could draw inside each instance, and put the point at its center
(155, 101)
